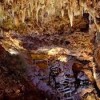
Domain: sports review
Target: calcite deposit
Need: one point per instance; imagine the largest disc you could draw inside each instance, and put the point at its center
(49, 49)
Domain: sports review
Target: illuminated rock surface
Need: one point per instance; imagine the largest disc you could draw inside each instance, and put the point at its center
(49, 49)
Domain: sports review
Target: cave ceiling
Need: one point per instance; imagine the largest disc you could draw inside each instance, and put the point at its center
(47, 15)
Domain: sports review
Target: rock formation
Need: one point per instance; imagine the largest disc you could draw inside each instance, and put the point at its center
(51, 45)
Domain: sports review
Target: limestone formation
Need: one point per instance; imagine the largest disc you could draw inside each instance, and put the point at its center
(53, 46)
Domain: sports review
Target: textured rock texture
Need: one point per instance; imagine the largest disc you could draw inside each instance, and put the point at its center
(54, 45)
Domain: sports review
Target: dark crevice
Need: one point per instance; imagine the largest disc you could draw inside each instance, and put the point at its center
(96, 88)
(86, 27)
(98, 20)
(85, 62)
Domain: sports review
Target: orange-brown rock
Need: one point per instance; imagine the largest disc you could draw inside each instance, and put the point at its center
(41, 64)
(97, 56)
(89, 74)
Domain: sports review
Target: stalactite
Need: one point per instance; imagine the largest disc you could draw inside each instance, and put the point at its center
(7, 1)
(52, 8)
(16, 20)
(52, 3)
(13, 12)
(23, 12)
(71, 16)
(29, 13)
(31, 4)
(37, 13)
(97, 26)
(37, 8)
(62, 13)
(1, 13)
